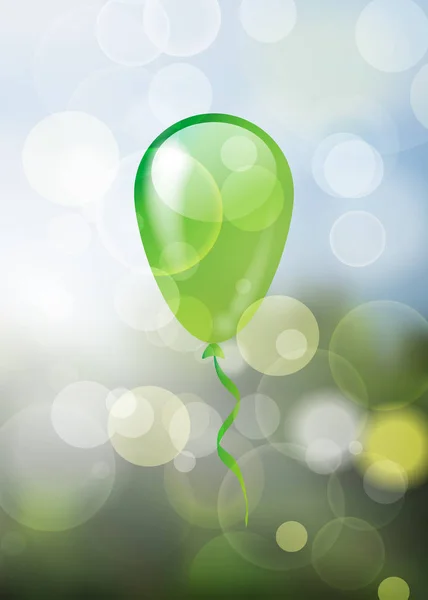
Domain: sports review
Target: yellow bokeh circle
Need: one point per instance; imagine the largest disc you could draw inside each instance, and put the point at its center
(291, 536)
(149, 426)
(275, 538)
(278, 335)
(397, 443)
(393, 588)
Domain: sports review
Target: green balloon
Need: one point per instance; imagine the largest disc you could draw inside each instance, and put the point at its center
(214, 198)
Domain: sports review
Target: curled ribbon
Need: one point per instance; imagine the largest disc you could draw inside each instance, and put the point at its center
(216, 352)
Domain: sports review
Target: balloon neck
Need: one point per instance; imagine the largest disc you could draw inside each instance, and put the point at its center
(213, 350)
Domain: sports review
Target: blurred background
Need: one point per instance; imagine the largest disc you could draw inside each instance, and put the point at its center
(103, 492)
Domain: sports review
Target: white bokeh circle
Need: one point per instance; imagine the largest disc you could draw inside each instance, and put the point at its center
(149, 427)
(376, 486)
(419, 96)
(131, 415)
(258, 417)
(116, 221)
(178, 91)
(70, 158)
(173, 335)
(325, 424)
(121, 34)
(79, 414)
(205, 423)
(353, 169)
(268, 21)
(182, 28)
(114, 395)
(185, 462)
(118, 96)
(358, 239)
(48, 485)
(323, 456)
(344, 165)
(278, 335)
(66, 53)
(291, 344)
(392, 35)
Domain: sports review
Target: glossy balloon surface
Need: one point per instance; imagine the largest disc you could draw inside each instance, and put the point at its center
(214, 198)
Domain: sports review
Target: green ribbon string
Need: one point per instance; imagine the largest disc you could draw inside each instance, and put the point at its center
(216, 352)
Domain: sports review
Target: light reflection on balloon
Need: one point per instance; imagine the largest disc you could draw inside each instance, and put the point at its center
(193, 242)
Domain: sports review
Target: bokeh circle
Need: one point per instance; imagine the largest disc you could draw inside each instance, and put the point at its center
(278, 335)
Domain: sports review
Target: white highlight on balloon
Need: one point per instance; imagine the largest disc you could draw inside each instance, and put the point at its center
(79, 414)
(70, 158)
(121, 34)
(239, 153)
(344, 165)
(182, 28)
(178, 91)
(70, 233)
(173, 169)
(170, 168)
(392, 35)
(419, 96)
(358, 239)
(268, 21)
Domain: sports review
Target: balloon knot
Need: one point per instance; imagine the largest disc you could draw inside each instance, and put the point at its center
(213, 350)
